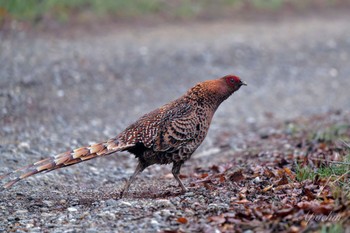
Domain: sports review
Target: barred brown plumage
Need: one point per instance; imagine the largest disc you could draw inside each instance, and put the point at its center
(169, 134)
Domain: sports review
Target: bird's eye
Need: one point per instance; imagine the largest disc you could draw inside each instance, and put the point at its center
(232, 80)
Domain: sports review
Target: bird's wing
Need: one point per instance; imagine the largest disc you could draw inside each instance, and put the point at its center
(178, 126)
(164, 129)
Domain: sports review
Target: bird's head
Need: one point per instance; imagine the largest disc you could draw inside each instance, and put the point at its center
(217, 90)
(232, 82)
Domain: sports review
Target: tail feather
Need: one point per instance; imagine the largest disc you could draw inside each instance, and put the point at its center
(64, 160)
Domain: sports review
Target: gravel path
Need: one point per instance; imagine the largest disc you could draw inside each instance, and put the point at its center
(58, 93)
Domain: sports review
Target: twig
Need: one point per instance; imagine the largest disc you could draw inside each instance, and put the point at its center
(322, 188)
(341, 177)
(346, 144)
(331, 161)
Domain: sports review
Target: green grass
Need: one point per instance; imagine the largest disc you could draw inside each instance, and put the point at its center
(304, 172)
(63, 10)
(331, 133)
(333, 228)
(337, 179)
(331, 170)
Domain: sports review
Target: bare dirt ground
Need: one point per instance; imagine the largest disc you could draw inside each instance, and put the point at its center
(59, 93)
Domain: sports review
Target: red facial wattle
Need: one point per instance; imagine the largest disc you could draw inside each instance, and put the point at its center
(233, 80)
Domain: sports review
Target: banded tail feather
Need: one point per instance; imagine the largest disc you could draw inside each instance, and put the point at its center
(64, 160)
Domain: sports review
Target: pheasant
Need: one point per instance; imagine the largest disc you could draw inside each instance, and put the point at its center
(169, 134)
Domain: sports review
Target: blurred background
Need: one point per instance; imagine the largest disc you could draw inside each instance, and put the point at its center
(84, 70)
(37, 11)
(76, 72)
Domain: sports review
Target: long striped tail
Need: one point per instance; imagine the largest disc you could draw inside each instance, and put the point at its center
(65, 159)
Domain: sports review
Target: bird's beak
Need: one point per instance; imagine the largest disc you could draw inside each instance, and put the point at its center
(243, 83)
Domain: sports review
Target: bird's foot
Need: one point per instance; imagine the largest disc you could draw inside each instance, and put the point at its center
(183, 188)
(123, 194)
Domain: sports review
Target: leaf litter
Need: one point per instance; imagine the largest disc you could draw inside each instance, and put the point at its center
(267, 186)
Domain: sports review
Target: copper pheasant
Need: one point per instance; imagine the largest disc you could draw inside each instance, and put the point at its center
(169, 134)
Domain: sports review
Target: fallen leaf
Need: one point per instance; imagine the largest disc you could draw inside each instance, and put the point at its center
(268, 173)
(294, 229)
(218, 169)
(322, 146)
(288, 172)
(169, 176)
(315, 207)
(217, 219)
(283, 180)
(284, 212)
(237, 176)
(282, 162)
(182, 220)
(222, 178)
(267, 188)
(244, 201)
(309, 194)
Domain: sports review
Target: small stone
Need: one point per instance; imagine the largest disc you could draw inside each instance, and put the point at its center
(189, 194)
(189, 212)
(125, 203)
(45, 214)
(257, 180)
(248, 231)
(72, 209)
(62, 201)
(111, 202)
(21, 211)
(91, 230)
(107, 215)
(196, 206)
(24, 146)
(164, 203)
(154, 223)
(29, 225)
(48, 203)
(212, 206)
(165, 212)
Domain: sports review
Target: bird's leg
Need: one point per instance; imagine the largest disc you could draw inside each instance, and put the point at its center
(176, 171)
(140, 167)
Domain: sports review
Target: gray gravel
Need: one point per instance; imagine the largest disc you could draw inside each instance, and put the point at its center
(58, 93)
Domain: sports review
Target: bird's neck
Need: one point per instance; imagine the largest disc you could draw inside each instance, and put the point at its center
(207, 97)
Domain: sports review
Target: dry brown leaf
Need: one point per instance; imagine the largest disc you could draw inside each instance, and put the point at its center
(218, 169)
(288, 172)
(315, 207)
(237, 176)
(222, 178)
(284, 212)
(268, 173)
(267, 188)
(217, 219)
(283, 180)
(244, 201)
(294, 229)
(309, 194)
(182, 220)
